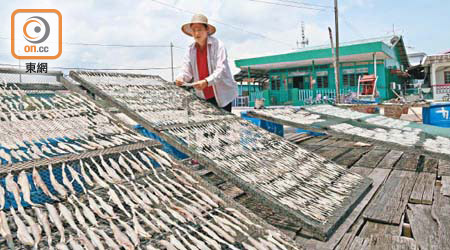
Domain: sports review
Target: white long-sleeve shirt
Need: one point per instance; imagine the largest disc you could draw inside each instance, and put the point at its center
(220, 77)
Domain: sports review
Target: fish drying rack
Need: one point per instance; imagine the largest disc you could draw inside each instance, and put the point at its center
(326, 122)
(258, 229)
(105, 86)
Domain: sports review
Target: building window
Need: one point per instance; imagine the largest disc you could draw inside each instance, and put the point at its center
(447, 77)
(276, 85)
(351, 80)
(322, 82)
(299, 82)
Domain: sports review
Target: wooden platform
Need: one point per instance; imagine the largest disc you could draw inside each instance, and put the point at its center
(405, 209)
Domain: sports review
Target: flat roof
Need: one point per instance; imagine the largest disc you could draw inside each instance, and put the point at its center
(354, 51)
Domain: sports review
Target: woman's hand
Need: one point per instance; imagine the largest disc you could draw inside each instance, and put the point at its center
(200, 85)
(179, 82)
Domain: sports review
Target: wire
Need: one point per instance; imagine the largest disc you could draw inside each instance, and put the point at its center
(353, 28)
(307, 4)
(288, 5)
(84, 68)
(222, 23)
(112, 45)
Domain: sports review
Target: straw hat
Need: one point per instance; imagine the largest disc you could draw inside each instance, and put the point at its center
(198, 18)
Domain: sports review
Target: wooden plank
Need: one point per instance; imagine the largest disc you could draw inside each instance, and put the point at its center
(390, 159)
(443, 168)
(423, 189)
(349, 158)
(389, 204)
(361, 171)
(312, 148)
(408, 161)
(424, 227)
(372, 158)
(430, 165)
(332, 152)
(384, 242)
(440, 213)
(347, 240)
(445, 189)
(300, 139)
(373, 228)
(313, 140)
(204, 171)
(213, 178)
(359, 243)
(378, 176)
(326, 141)
(230, 189)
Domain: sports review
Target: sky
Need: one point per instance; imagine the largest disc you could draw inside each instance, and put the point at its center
(248, 28)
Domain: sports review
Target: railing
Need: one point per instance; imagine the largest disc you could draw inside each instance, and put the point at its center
(241, 101)
(317, 96)
(280, 97)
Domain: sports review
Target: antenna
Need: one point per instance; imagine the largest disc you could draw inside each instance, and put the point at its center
(305, 40)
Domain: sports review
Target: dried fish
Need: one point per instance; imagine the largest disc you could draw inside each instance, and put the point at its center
(115, 198)
(96, 209)
(96, 178)
(56, 185)
(123, 161)
(105, 206)
(175, 242)
(22, 232)
(78, 215)
(95, 239)
(167, 245)
(2, 197)
(116, 166)
(41, 184)
(12, 187)
(86, 177)
(74, 244)
(109, 242)
(120, 237)
(43, 220)
(76, 177)
(145, 220)
(130, 232)
(54, 217)
(67, 215)
(66, 180)
(36, 230)
(62, 246)
(5, 231)
(85, 241)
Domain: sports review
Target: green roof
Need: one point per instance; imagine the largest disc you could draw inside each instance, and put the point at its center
(351, 52)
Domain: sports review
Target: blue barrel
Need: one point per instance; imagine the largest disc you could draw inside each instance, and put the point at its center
(438, 114)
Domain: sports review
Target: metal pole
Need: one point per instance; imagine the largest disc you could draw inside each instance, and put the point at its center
(171, 59)
(334, 64)
(375, 64)
(336, 24)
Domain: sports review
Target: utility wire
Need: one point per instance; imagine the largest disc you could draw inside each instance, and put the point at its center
(85, 68)
(288, 5)
(112, 45)
(225, 24)
(352, 27)
(306, 4)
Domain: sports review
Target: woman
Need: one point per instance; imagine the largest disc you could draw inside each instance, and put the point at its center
(206, 64)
